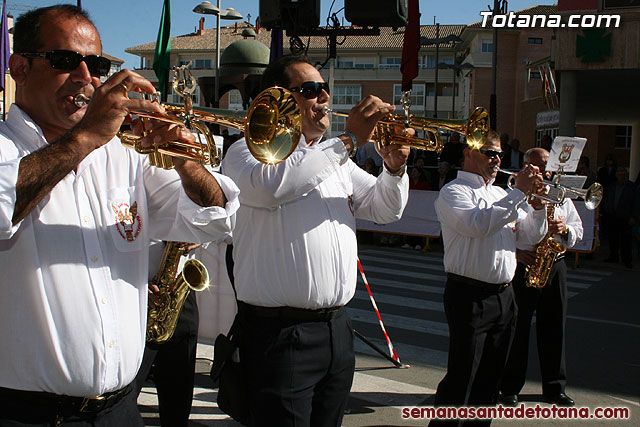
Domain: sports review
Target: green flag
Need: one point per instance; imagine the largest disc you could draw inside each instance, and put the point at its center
(161, 62)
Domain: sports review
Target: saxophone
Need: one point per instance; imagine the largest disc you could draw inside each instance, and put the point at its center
(547, 250)
(174, 289)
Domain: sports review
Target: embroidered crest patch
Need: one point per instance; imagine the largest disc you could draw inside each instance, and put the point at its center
(128, 221)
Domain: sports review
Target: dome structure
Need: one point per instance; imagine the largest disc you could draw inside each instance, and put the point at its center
(245, 56)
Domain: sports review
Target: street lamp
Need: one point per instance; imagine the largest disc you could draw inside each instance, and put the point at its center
(456, 68)
(206, 8)
(424, 41)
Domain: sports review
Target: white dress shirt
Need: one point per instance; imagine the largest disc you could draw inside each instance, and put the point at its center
(567, 212)
(73, 292)
(294, 241)
(480, 226)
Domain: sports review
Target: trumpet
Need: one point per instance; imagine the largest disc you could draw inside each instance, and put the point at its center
(475, 129)
(272, 125)
(592, 196)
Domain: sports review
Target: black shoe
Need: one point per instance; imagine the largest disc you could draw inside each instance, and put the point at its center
(560, 399)
(510, 399)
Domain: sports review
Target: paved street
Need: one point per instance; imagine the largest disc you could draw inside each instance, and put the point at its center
(603, 343)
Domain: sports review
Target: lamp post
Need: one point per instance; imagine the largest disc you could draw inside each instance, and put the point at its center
(206, 8)
(456, 69)
(424, 41)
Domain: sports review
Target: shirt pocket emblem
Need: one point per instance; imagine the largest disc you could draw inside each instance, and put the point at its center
(128, 222)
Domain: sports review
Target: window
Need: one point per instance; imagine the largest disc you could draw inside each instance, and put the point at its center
(235, 100)
(346, 95)
(487, 46)
(535, 40)
(337, 124)
(445, 59)
(345, 62)
(417, 95)
(202, 64)
(445, 89)
(177, 99)
(623, 137)
(552, 132)
(392, 62)
(430, 60)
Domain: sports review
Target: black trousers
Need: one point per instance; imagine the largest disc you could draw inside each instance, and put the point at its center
(481, 325)
(550, 306)
(15, 413)
(173, 365)
(299, 372)
(620, 236)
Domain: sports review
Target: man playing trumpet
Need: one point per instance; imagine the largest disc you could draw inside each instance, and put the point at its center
(548, 302)
(295, 252)
(481, 224)
(77, 213)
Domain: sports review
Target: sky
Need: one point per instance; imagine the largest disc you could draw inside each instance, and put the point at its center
(128, 23)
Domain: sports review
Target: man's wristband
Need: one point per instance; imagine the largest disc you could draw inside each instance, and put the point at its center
(354, 140)
(400, 172)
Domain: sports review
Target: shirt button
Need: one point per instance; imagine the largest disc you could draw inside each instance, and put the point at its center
(111, 343)
(94, 258)
(105, 300)
(85, 218)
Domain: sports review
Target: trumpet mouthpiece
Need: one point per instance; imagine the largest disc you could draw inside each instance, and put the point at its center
(325, 110)
(81, 100)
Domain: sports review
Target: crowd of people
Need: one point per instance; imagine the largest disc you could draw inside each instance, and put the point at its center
(81, 217)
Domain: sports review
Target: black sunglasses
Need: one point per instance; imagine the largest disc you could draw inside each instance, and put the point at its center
(311, 90)
(492, 153)
(68, 60)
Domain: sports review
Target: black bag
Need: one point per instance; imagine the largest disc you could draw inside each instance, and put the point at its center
(233, 398)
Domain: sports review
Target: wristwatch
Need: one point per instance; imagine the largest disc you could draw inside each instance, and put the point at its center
(400, 172)
(354, 140)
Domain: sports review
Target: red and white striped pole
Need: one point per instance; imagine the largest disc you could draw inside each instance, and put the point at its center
(393, 356)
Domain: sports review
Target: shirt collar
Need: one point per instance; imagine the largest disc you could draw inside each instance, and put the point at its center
(21, 124)
(473, 179)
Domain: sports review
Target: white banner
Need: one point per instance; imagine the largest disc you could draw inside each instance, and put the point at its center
(420, 219)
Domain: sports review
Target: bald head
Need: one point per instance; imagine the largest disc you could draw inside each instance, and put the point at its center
(537, 157)
(535, 154)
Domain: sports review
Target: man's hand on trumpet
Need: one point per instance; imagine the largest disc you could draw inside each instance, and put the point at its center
(526, 179)
(110, 106)
(364, 116)
(362, 122)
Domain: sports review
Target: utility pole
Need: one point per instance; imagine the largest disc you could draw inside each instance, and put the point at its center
(498, 6)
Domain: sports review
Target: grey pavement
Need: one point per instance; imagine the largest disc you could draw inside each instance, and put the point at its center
(603, 343)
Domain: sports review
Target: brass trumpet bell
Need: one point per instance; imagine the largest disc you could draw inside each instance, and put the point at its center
(475, 130)
(272, 126)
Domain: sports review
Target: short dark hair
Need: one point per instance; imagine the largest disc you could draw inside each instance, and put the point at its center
(492, 135)
(26, 31)
(277, 74)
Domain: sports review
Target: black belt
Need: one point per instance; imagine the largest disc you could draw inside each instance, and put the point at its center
(289, 313)
(65, 404)
(492, 287)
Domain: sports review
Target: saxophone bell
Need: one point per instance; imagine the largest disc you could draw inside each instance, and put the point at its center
(162, 318)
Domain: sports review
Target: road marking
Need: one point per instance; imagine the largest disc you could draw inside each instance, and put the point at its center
(387, 392)
(402, 322)
(402, 301)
